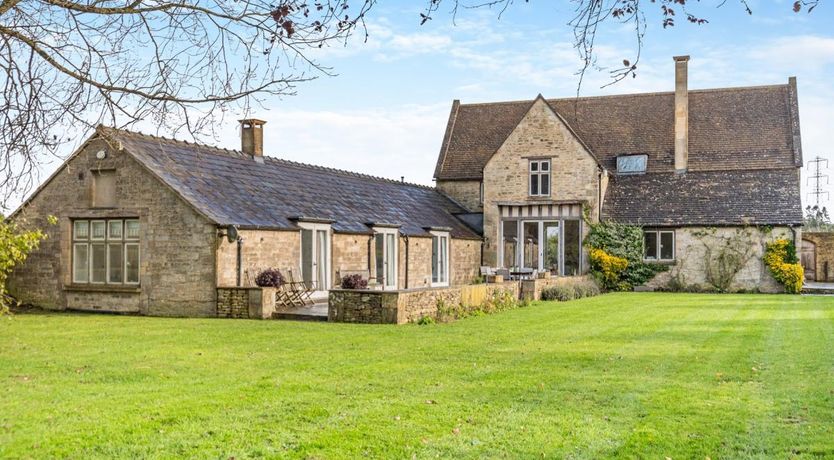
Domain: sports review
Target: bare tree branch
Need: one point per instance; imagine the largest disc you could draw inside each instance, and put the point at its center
(68, 65)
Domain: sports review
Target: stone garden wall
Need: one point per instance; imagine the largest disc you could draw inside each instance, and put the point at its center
(410, 305)
(246, 302)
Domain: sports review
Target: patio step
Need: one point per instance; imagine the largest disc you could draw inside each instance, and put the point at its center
(315, 312)
(298, 316)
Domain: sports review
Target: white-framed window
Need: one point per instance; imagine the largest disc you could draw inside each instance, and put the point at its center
(105, 251)
(659, 245)
(439, 258)
(386, 249)
(539, 178)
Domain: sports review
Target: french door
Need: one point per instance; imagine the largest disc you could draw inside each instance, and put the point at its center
(385, 241)
(552, 245)
(541, 247)
(315, 257)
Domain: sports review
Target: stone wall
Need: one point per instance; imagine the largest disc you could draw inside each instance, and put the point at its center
(251, 303)
(467, 193)
(363, 306)
(824, 254)
(350, 255)
(540, 134)
(689, 268)
(261, 249)
(465, 261)
(409, 305)
(177, 261)
(419, 262)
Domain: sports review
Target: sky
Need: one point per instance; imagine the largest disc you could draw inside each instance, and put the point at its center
(385, 110)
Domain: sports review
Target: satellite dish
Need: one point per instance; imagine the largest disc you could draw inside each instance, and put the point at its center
(231, 233)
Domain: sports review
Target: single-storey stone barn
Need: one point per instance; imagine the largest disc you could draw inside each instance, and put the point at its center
(155, 226)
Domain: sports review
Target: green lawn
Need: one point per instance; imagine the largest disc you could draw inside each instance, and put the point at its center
(621, 375)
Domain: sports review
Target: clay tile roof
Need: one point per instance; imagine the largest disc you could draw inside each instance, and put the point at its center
(229, 187)
(730, 129)
(737, 197)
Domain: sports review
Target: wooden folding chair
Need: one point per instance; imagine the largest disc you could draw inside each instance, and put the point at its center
(301, 291)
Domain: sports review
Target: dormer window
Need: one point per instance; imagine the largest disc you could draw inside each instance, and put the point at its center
(539, 177)
(632, 164)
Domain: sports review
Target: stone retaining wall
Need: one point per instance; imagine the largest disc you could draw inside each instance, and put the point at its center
(246, 302)
(409, 305)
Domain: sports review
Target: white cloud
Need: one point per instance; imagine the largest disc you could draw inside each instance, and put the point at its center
(388, 142)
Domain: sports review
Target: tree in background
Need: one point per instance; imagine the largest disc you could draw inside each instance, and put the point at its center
(817, 219)
(71, 64)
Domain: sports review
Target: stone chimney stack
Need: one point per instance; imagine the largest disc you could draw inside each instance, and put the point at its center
(252, 137)
(681, 113)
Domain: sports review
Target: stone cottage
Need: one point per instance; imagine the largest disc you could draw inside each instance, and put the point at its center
(698, 170)
(155, 226)
(152, 225)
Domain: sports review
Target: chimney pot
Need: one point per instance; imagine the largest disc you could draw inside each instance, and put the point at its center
(681, 113)
(252, 137)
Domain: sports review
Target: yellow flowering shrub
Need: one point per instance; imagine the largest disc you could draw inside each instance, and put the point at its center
(609, 268)
(780, 258)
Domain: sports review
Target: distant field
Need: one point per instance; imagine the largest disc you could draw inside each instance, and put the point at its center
(620, 375)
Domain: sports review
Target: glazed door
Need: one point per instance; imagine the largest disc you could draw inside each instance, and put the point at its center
(315, 258)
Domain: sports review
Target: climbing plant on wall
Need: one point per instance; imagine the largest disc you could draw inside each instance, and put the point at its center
(610, 243)
(780, 258)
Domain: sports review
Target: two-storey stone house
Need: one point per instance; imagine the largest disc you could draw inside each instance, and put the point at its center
(696, 169)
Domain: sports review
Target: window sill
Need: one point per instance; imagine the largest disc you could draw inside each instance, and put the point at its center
(129, 289)
(660, 262)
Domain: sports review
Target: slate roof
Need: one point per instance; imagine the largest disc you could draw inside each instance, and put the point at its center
(753, 197)
(729, 129)
(230, 187)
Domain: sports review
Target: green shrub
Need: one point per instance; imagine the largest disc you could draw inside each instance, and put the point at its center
(586, 289)
(16, 243)
(499, 301)
(426, 320)
(780, 258)
(570, 290)
(621, 241)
